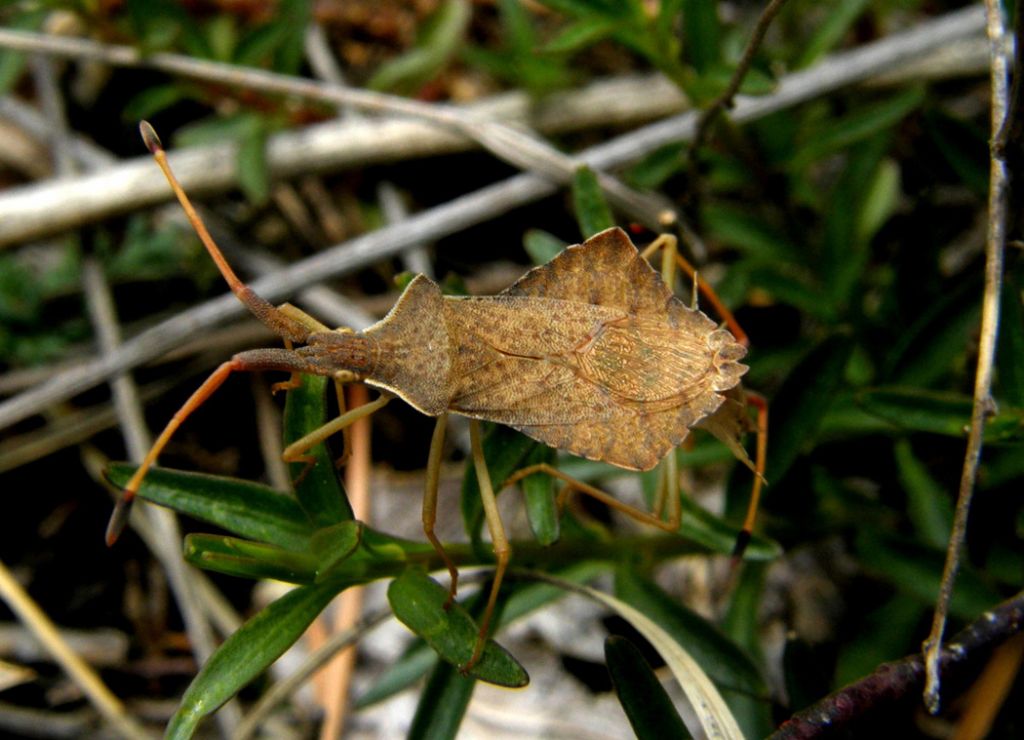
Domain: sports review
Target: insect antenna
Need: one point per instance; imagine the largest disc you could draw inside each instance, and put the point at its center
(274, 318)
(262, 309)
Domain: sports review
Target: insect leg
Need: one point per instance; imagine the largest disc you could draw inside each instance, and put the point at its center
(671, 525)
(298, 315)
(260, 359)
(760, 457)
(669, 244)
(502, 549)
(430, 503)
(296, 451)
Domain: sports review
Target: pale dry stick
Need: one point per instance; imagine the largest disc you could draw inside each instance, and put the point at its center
(349, 605)
(833, 73)
(28, 611)
(313, 662)
(65, 429)
(163, 523)
(46, 208)
(325, 67)
(516, 147)
(622, 101)
(984, 405)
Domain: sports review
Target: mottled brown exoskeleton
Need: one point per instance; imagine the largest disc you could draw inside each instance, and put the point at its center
(591, 353)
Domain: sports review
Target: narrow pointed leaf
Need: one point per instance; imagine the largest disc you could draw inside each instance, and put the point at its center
(539, 495)
(701, 526)
(939, 413)
(442, 704)
(247, 559)
(334, 544)
(246, 509)
(418, 602)
(802, 402)
(592, 211)
(715, 718)
(643, 698)
(726, 663)
(316, 486)
(520, 599)
(249, 652)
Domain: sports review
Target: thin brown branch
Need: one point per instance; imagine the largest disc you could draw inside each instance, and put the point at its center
(725, 99)
(900, 681)
(984, 405)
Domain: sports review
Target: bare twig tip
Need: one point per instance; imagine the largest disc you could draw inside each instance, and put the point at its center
(119, 518)
(150, 138)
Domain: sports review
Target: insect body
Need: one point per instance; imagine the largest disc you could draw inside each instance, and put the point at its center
(591, 353)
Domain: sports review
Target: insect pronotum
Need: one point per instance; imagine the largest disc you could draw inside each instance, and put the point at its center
(591, 353)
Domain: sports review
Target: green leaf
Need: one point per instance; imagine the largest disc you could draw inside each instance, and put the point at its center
(844, 255)
(253, 172)
(418, 601)
(885, 633)
(835, 135)
(701, 526)
(215, 129)
(933, 345)
(247, 509)
(520, 599)
(442, 704)
(592, 211)
(539, 495)
(939, 413)
(724, 662)
(334, 544)
(963, 145)
(542, 246)
(221, 33)
(12, 63)
(749, 234)
(742, 625)
(153, 100)
(928, 504)
(830, 32)
(713, 714)
(917, 571)
(317, 487)
(880, 200)
(248, 559)
(580, 34)
(701, 33)
(249, 652)
(652, 171)
(644, 699)
(801, 404)
(1010, 353)
(439, 41)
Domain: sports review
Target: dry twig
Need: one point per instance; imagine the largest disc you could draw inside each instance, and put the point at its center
(984, 405)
